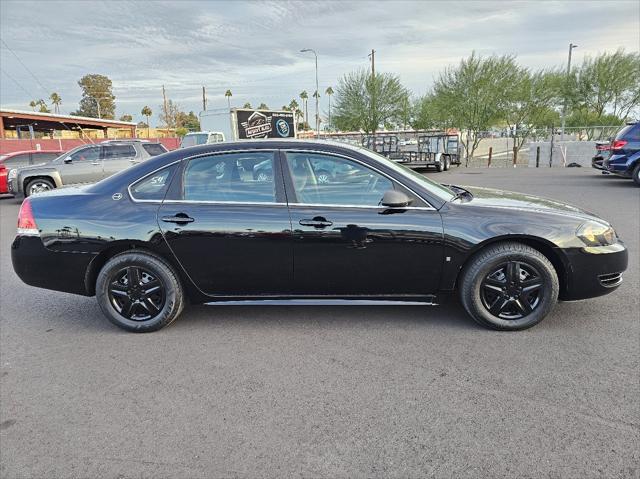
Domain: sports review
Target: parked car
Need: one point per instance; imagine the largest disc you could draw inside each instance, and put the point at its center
(84, 164)
(603, 150)
(20, 159)
(202, 138)
(188, 226)
(624, 159)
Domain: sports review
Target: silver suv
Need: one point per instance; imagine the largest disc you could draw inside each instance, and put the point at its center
(84, 164)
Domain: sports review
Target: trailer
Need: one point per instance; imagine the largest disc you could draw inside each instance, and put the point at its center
(247, 123)
(437, 150)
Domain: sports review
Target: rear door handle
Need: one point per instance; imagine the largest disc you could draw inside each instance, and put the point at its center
(317, 222)
(178, 218)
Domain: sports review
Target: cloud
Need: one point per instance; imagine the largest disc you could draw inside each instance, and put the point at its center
(253, 47)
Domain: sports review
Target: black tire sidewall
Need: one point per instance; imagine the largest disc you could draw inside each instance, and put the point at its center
(472, 290)
(173, 291)
(636, 174)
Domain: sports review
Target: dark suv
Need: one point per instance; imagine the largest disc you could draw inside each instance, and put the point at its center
(624, 159)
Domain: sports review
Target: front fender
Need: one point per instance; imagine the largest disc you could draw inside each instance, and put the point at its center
(25, 176)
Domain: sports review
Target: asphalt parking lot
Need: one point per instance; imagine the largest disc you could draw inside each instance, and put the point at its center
(329, 391)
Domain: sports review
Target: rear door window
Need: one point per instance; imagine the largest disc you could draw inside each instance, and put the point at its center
(113, 152)
(17, 161)
(231, 177)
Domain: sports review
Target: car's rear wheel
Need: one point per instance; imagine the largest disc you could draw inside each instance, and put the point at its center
(139, 292)
(38, 185)
(636, 174)
(509, 286)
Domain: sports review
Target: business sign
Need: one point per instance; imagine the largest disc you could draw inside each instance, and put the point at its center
(264, 124)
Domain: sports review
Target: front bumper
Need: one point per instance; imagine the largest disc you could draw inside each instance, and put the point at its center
(38, 266)
(12, 186)
(594, 271)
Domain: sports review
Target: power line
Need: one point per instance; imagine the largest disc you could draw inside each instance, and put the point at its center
(25, 66)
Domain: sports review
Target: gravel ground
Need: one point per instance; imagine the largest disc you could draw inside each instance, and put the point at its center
(328, 391)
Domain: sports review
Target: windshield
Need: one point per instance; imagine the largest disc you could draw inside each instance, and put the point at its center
(436, 188)
(195, 139)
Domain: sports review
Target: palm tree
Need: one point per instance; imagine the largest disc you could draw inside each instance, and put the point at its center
(329, 92)
(304, 97)
(146, 111)
(43, 106)
(228, 94)
(56, 101)
(263, 106)
(33, 105)
(293, 106)
(247, 105)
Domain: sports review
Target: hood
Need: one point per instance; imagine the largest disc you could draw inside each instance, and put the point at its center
(37, 166)
(489, 197)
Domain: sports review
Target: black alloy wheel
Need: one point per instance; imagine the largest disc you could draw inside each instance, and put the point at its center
(509, 286)
(136, 294)
(139, 291)
(512, 290)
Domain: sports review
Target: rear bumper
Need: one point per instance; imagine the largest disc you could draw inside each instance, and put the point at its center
(37, 266)
(597, 162)
(594, 271)
(619, 165)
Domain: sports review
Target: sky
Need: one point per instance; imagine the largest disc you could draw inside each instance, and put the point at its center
(253, 48)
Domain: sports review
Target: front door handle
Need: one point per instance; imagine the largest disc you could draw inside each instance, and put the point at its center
(178, 218)
(317, 222)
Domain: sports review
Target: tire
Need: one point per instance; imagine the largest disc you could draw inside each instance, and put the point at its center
(139, 309)
(519, 306)
(38, 185)
(636, 174)
(439, 167)
(447, 163)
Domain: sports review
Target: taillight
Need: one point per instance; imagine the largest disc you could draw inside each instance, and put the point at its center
(26, 222)
(618, 144)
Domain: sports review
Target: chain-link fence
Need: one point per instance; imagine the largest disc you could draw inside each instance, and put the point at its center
(502, 148)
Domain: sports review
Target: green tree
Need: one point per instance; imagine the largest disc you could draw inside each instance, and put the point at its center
(42, 106)
(146, 112)
(529, 104)
(190, 121)
(228, 95)
(247, 105)
(608, 84)
(96, 90)
(304, 96)
(354, 108)
(263, 106)
(472, 95)
(329, 92)
(33, 104)
(126, 117)
(56, 101)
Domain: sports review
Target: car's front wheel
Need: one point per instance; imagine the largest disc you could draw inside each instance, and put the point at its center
(139, 292)
(38, 185)
(509, 286)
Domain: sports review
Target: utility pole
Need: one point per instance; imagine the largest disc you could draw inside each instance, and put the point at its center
(204, 100)
(164, 106)
(374, 117)
(317, 94)
(564, 106)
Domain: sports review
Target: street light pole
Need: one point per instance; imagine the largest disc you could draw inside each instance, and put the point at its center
(564, 106)
(317, 95)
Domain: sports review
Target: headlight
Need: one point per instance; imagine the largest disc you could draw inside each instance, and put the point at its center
(593, 233)
(12, 174)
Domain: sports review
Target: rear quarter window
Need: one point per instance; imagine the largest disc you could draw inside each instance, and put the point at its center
(154, 186)
(154, 149)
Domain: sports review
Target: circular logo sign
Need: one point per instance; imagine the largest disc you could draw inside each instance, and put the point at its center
(282, 127)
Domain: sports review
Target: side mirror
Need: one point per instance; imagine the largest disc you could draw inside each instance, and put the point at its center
(395, 199)
(68, 160)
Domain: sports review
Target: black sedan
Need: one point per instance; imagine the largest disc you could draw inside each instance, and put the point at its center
(196, 225)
